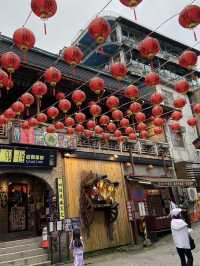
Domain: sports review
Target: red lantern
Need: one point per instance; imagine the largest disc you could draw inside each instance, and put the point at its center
(190, 17)
(131, 92)
(124, 123)
(105, 136)
(111, 127)
(95, 110)
(69, 122)
(141, 126)
(10, 62)
(182, 86)
(91, 103)
(99, 29)
(52, 112)
(91, 124)
(196, 108)
(97, 85)
(117, 133)
(129, 130)
(24, 39)
(157, 111)
(88, 133)
(121, 139)
(131, 4)
(64, 105)
(152, 79)
(51, 129)
(118, 71)
(140, 117)
(79, 129)
(78, 97)
(80, 117)
(3, 78)
(9, 113)
(98, 130)
(188, 59)
(59, 125)
(179, 103)
(18, 107)
(41, 118)
(60, 96)
(144, 134)
(158, 122)
(132, 136)
(33, 122)
(70, 130)
(27, 99)
(112, 102)
(117, 115)
(158, 130)
(25, 125)
(3, 120)
(52, 75)
(104, 120)
(176, 115)
(175, 127)
(135, 108)
(157, 98)
(39, 89)
(73, 55)
(149, 47)
(192, 122)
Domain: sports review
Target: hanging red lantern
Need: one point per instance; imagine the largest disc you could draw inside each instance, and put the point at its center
(91, 124)
(182, 86)
(18, 107)
(98, 130)
(117, 115)
(129, 130)
(124, 123)
(158, 130)
(157, 98)
(39, 89)
(24, 39)
(9, 113)
(73, 55)
(121, 139)
(118, 71)
(27, 99)
(144, 134)
(33, 122)
(95, 110)
(80, 117)
(117, 133)
(131, 4)
(51, 129)
(91, 103)
(88, 133)
(141, 126)
(69, 122)
(3, 78)
(104, 120)
(60, 96)
(180, 102)
(188, 59)
(25, 125)
(152, 79)
(131, 92)
(135, 108)
(149, 47)
(175, 127)
(158, 122)
(99, 29)
(111, 127)
(79, 129)
(132, 136)
(157, 110)
(41, 118)
(97, 85)
(70, 130)
(10, 62)
(176, 115)
(192, 122)
(52, 112)
(64, 105)
(8, 84)
(105, 136)
(3, 120)
(196, 108)
(52, 75)
(112, 102)
(78, 97)
(140, 117)
(59, 125)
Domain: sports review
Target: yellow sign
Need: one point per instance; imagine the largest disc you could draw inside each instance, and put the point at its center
(5, 155)
(61, 204)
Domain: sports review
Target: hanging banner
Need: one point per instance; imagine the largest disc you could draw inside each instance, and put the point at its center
(60, 198)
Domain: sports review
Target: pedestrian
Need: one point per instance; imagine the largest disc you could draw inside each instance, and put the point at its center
(76, 246)
(181, 237)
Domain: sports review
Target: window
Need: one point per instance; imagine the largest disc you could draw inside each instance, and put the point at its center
(113, 36)
(177, 138)
(169, 99)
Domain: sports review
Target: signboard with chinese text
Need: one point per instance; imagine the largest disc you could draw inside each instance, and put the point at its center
(27, 157)
(61, 203)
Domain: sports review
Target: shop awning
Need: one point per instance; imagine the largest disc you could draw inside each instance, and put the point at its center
(164, 182)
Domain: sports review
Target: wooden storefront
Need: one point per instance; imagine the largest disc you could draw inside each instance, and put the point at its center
(75, 170)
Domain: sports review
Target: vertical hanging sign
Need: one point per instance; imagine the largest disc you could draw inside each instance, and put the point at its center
(60, 198)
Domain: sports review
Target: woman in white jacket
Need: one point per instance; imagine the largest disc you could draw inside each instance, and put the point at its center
(180, 234)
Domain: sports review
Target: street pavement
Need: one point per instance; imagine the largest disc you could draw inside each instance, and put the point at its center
(162, 253)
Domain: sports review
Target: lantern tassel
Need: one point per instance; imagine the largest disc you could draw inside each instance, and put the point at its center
(45, 28)
(195, 36)
(38, 105)
(135, 15)
(27, 111)
(25, 57)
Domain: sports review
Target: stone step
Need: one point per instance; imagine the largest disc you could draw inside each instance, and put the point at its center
(27, 261)
(21, 254)
(20, 242)
(46, 263)
(20, 247)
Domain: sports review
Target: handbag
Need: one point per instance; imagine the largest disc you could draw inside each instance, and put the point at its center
(192, 243)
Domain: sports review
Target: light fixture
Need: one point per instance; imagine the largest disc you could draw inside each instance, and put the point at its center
(115, 156)
(67, 154)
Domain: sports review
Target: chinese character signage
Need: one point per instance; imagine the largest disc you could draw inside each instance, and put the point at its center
(39, 137)
(60, 193)
(26, 157)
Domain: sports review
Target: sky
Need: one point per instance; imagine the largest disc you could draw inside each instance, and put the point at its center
(73, 15)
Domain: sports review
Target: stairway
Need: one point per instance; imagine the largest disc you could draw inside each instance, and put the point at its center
(23, 252)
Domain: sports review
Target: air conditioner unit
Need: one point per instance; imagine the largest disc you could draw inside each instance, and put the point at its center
(192, 193)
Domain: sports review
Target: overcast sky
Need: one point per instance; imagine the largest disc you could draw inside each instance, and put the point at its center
(73, 15)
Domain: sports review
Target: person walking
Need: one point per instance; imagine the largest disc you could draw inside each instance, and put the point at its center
(181, 237)
(76, 246)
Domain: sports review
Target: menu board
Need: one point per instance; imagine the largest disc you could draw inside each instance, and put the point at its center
(26, 157)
